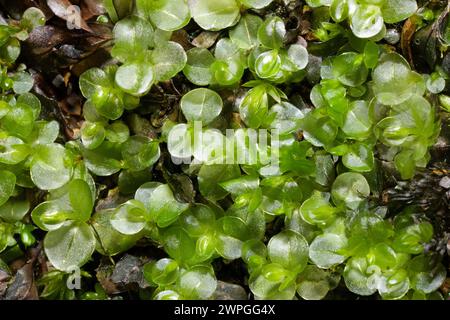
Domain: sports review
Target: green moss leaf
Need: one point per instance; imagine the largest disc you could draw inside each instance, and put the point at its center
(7, 184)
(69, 246)
(167, 15)
(324, 250)
(271, 33)
(350, 189)
(168, 59)
(215, 15)
(197, 69)
(201, 105)
(289, 249)
(51, 167)
(245, 33)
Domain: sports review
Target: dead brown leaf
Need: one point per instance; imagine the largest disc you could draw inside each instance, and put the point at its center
(67, 11)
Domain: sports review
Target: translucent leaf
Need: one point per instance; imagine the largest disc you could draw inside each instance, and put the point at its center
(117, 132)
(10, 52)
(405, 164)
(427, 273)
(14, 209)
(135, 78)
(140, 152)
(214, 15)
(180, 142)
(197, 69)
(49, 215)
(110, 241)
(254, 253)
(234, 226)
(167, 15)
(383, 256)
(23, 82)
(31, 101)
(4, 108)
(7, 184)
(285, 117)
(339, 10)
(226, 50)
(241, 185)
(289, 249)
(350, 189)
(298, 55)
(162, 272)
(268, 64)
(271, 33)
(256, 4)
(81, 199)
(92, 134)
(349, 69)
(325, 173)
(132, 36)
(107, 101)
(92, 80)
(210, 176)
(314, 283)
(357, 279)
(47, 132)
(411, 124)
(394, 285)
(164, 209)
(205, 247)
(104, 160)
(32, 18)
(227, 73)
(178, 244)
(269, 280)
(168, 59)
(435, 84)
(254, 107)
(198, 282)
(319, 131)
(324, 250)
(366, 21)
(394, 82)
(413, 238)
(51, 167)
(335, 95)
(69, 246)
(201, 105)
(398, 10)
(228, 247)
(167, 295)
(360, 158)
(19, 120)
(371, 52)
(198, 220)
(317, 210)
(129, 218)
(12, 150)
(318, 3)
(245, 33)
(358, 123)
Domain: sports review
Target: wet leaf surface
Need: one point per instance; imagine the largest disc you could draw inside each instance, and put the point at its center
(56, 56)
